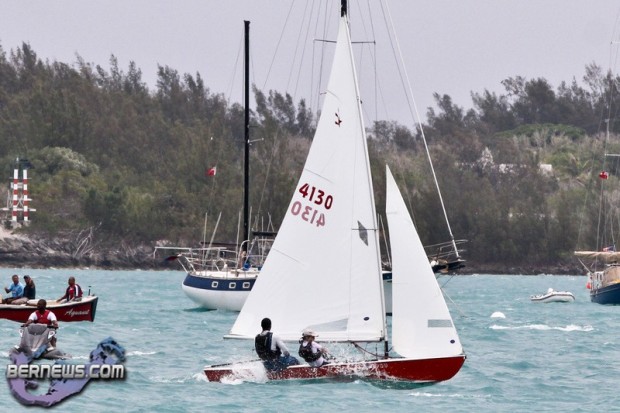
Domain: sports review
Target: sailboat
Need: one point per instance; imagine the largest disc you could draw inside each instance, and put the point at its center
(304, 284)
(604, 273)
(218, 276)
(603, 283)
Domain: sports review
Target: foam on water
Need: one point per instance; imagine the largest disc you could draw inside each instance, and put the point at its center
(543, 327)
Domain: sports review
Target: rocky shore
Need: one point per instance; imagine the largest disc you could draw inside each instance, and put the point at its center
(498, 268)
(79, 252)
(20, 251)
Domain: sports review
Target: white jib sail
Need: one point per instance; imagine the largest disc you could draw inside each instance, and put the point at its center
(324, 269)
(421, 323)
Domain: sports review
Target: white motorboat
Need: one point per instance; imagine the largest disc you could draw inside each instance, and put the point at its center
(552, 296)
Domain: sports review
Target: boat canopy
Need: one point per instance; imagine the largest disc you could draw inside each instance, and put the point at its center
(605, 256)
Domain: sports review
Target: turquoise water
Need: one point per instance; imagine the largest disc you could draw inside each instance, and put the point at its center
(540, 357)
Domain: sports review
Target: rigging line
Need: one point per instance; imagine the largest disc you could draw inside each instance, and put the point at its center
(378, 90)
(417, 116)
(278, 44)
(273, 155)
(360, 57)
(407, 194)
(589, 189)
(373, 57)
(601, 195)
(303, 53)
(610, 101)
(211, 192)
(372, 53)
(612, 67)
(363, 350)
(234, 71)
(322, 60)
(311, 98)
(455, 304)
(385, 241)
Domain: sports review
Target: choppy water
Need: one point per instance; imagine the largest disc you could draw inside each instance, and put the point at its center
(522, 356)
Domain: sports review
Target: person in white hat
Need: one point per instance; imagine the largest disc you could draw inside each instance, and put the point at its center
(311, 351)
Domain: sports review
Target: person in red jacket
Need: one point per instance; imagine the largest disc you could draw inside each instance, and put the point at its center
(44, 316)
(73, 292)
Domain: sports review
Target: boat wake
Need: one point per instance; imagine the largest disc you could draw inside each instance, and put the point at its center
(451, 395)
(252, 372)
(544, 327)
(141, 353)
(196, 377)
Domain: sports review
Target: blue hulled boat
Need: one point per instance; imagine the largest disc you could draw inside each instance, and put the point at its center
(605, 285)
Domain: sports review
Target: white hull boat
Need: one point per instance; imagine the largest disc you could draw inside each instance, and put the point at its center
(552, 296)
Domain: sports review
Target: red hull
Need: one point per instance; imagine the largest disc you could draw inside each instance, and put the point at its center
(73, 311)
(418, 371)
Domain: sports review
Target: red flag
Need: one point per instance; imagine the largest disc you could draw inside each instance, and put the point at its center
(603, 175)
(211, 171)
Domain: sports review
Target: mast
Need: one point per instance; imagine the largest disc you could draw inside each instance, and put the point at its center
(344, 13)
(246, 170)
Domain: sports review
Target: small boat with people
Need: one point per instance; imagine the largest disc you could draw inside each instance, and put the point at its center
(552, 296)
(79, 309)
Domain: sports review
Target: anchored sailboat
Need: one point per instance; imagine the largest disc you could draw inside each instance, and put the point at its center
(604, 276)
(304, 284)
(218, 277)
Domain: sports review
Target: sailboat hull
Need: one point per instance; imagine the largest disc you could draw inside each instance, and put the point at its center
(606, 295)
(605, 285)
(409, 370)
(214, 290)
(218, 290)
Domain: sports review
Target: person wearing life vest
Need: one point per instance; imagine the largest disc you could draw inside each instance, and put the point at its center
(311, 351)
(73, 291)
(43, 316)
(271, 349)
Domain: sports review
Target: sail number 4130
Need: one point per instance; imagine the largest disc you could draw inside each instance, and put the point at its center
(316, 195)
(309, 213)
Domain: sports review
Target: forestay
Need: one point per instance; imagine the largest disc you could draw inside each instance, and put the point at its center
(323, 271)
(421, 323)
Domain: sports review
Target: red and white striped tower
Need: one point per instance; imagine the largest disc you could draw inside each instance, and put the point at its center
(18, 200)
(25, 192)
(15, 194)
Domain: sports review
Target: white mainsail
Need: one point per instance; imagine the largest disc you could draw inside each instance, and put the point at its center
(324, 269)
(421, 323)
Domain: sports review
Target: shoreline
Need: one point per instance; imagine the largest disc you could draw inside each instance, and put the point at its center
(20, 251)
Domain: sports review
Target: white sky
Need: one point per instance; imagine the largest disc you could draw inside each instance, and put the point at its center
(450, 47)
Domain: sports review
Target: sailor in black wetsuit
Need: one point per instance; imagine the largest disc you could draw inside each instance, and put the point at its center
(271, 349)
